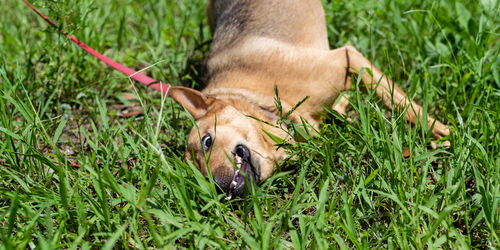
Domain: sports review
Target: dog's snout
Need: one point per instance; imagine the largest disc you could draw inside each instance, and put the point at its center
(242, 151)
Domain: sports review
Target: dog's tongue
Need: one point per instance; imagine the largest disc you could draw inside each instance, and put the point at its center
(237, 179)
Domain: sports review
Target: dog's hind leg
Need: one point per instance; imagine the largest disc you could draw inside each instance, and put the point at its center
(386, 90)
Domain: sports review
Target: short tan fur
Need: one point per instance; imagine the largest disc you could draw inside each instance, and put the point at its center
(257, 45)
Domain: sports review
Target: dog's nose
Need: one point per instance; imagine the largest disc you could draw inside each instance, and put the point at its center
(242, 151)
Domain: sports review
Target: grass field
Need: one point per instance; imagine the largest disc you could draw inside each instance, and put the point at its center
(84, 165)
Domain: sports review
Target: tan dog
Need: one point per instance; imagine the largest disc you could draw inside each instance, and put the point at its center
(257, 45)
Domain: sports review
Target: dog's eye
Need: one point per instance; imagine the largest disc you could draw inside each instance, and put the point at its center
(207, 141)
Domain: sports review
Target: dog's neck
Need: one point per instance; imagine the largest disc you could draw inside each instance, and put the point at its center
(265, 105)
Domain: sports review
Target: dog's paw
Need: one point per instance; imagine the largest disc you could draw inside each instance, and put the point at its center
(440, 130)
(443, 144)
(341, 106)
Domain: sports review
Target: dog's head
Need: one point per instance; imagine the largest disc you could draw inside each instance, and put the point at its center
(227, 142)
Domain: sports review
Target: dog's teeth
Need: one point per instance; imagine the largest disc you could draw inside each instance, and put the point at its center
(234, 183)
(239, 160)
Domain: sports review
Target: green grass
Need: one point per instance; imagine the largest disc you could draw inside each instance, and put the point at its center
(76, 173)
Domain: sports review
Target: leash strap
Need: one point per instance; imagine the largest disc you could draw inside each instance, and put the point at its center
(146, 80)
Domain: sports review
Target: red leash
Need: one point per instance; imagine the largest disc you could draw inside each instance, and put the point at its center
(146, 80)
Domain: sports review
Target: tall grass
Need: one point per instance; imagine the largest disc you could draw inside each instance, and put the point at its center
(83, 165)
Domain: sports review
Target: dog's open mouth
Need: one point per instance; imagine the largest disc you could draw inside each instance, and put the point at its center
(244, 169)
(238, 178)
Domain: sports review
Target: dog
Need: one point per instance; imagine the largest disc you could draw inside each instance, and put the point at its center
(260, 45)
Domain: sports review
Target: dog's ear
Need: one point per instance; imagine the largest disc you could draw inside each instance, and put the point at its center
(194, 101)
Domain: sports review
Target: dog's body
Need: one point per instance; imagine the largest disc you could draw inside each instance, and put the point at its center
(257, 45)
